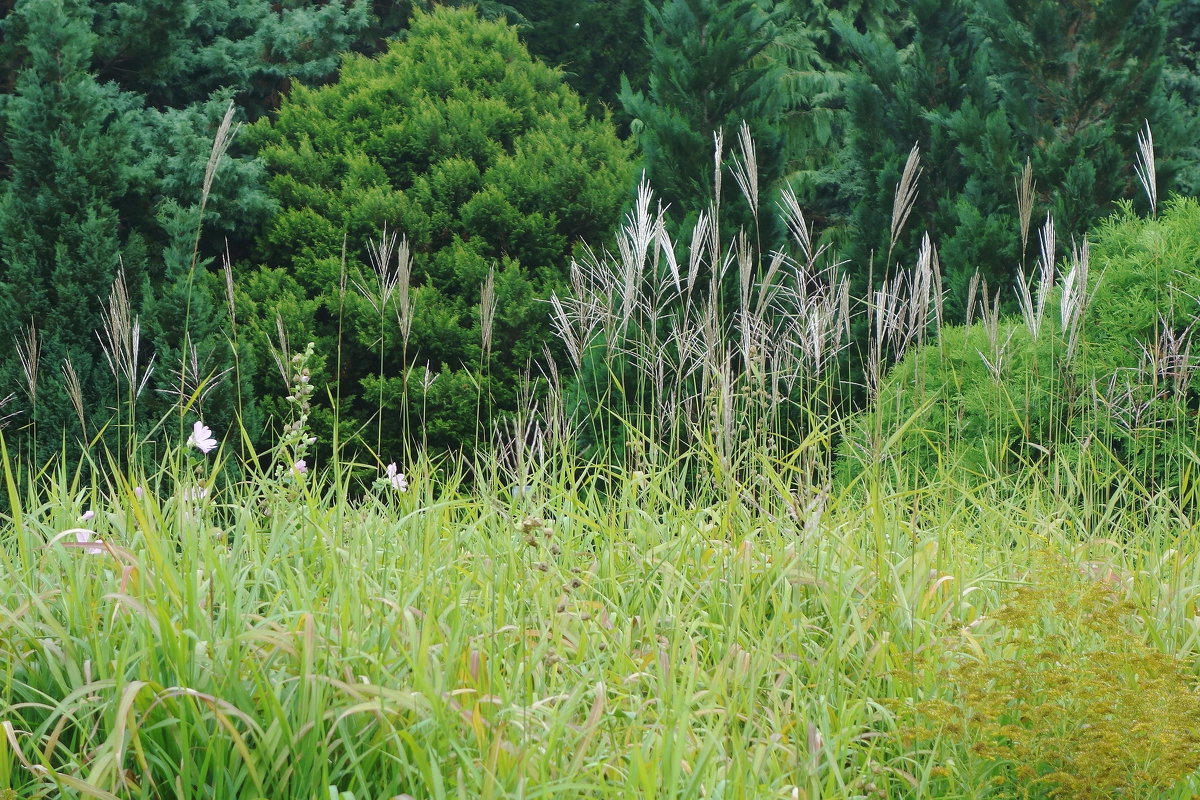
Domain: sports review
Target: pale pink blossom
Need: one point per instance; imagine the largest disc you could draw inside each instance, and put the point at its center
(87, 515)
(396, 478)
(202, 438)
(84, 537)
(300, 467)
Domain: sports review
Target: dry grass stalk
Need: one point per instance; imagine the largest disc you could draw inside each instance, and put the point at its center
(281, 354)
(227, 268)
(1031, 301)
(121, 338)
(379, 254)
(1025, 188)
(718, 171)
(74, 392)
(905, 197)
(973, 294)
(1075, 296)
(29, 352)
(487, 310)
(192, 380)
(225, 133)
(745, 168)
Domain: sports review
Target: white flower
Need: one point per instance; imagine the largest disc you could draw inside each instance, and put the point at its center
(202, 438)
(396, 478)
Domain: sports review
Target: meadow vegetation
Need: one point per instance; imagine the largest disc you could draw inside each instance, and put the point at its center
(690, 508)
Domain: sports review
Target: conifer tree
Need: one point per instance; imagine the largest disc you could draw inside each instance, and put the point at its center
(70, 160)
(982, 87)
(594, 42)
(705, 76)
(106, 129)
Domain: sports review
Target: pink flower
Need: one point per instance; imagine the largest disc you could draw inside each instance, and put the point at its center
(202, 438)
(138, 492)
(300, 467)
(396, 478)
(87, 515)
(84, 537)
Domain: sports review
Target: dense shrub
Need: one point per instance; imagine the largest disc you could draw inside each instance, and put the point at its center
(970, 403)
(486, 162)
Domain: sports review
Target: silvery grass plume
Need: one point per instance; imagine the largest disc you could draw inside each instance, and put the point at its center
(1031, 299)
(1144, 166)
(1025, 188)
(224, 137)
(973, 287)
(905, 197)
(121, 338)
(29, 352)
(391, 263)
(745, 170)
(989, 317)
(487, 310)
(1169, 362)
(193, 379)
(1135, 396)
(521, 441)
(1075, 296)
(660, 307)
(74, 393)
(281, 354)
(904, 310)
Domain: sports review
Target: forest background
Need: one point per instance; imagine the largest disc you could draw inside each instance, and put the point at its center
(410, 184)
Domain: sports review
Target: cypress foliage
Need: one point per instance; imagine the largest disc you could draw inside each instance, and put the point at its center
(594, 42)
(705, 76)
(981, 87)
(106, 129)
(69, 143)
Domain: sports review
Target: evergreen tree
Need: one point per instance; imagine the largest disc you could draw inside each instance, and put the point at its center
(487, 163)
(907, 83)
(105, 137)
(982, 87)
(815, 65)
(70, 159)
(705, 76)
(594, 42)
(176, 52)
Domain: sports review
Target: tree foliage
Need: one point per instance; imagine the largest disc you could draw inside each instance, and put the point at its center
(983, 87)
(706, 77)
(106, 132)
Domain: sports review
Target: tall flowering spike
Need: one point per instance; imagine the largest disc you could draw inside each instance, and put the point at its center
(202, 438)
